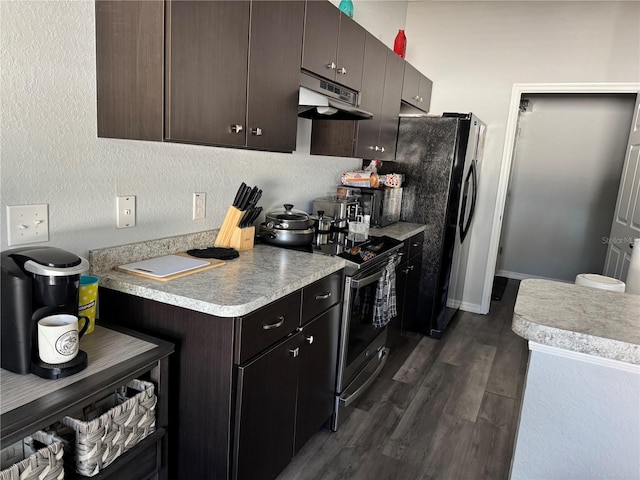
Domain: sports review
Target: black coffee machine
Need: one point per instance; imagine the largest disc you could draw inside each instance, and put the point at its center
(37, 282)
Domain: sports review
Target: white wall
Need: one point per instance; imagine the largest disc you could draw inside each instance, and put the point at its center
(578, 420)
(475, 51)
(50, 152)
(564, 184)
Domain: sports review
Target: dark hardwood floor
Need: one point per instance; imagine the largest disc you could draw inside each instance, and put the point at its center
(441, 409)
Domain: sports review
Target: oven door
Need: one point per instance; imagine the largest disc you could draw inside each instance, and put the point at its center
(360, 340)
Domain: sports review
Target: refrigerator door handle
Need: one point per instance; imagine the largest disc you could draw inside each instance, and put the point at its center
(464, 226)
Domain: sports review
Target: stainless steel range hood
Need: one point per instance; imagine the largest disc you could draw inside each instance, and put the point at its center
(321, 99)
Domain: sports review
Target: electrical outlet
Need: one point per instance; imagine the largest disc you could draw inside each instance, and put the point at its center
(27, 224)
(199, 206)
(126, 216)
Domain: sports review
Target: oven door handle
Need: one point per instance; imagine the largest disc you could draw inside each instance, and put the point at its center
(367, 280)
(346, 401)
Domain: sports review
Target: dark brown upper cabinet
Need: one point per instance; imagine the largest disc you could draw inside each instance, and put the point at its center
(416, 88)
(129, 62)
(333, 44)
(206, 90)
(381, 95)
(233, 73)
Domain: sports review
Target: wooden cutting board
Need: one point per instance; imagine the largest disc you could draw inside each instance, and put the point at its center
(170, 267)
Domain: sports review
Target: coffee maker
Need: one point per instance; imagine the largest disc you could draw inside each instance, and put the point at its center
(37, 282)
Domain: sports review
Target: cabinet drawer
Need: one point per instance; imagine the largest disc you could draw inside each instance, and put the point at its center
(320, 295)
(262, 328)
(415, 245)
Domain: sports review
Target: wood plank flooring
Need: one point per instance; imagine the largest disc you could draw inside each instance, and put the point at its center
(440, 409)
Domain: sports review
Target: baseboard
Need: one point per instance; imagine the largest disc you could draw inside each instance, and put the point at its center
(466, 306)
(525, 276)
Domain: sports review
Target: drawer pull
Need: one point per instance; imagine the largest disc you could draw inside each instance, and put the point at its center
(323, 296)
(309, 339)
(295, 352)
(415, 244)
(274, 325)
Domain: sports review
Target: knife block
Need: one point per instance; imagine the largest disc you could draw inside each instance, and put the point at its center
(230, 223)
(242, 238)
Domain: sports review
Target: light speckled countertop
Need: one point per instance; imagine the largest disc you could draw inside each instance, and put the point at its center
(242, 285)
(581, 319)
(400, 230)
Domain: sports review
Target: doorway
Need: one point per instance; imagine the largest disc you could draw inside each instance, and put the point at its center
(566, 170)
(518, 90)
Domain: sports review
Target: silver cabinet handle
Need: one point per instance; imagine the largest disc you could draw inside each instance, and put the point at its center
(417, 97)
(309, 339)
(274, 325)
(331, 66)
(376, 148)
(411, 267)
(382, 149)
(236, 128)
(342, 70)
(324, 296)
(295, 352)
(416, 244)
(256, 131)
(421, 99)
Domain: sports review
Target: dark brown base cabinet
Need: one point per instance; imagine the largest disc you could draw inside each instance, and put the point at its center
(246, 392)
(407, 284)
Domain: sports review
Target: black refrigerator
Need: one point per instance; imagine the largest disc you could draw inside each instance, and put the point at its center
(439, 157)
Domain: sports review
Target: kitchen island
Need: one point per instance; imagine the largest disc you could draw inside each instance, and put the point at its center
(580, 415)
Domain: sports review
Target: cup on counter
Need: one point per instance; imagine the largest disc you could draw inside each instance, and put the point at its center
(59, 338)
(88, 299)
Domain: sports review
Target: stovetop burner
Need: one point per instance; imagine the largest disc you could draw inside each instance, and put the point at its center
(357, 254)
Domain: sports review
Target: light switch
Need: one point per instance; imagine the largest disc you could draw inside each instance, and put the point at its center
(27, 224)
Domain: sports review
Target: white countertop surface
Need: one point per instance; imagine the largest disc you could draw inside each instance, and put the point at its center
(400, 230)
(581, 319)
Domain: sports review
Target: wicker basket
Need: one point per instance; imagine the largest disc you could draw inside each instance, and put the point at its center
(45, 464)
(100, 438)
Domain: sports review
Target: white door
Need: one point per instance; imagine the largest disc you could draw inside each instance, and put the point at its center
(626, 219)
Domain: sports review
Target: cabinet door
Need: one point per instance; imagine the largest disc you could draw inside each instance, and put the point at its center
(411, 85)
(317, 378)
(129, 59)
(350, 53)
(411, 291)
(274, 74)
(206, 65)
(424, 93)
(373, 73)
(321, 27)
(390, 106)
(266, 411)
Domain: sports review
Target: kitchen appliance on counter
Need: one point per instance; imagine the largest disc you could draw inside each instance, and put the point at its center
(439, 157)
(382, 204)
(37, 282)
(340, 208)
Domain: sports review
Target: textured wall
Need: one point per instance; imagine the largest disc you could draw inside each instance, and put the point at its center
(474, 51)
(51, 154)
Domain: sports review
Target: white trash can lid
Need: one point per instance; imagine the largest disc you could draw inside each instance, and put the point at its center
(594, 280)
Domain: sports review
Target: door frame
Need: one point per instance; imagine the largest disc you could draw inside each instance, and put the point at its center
(517, 91)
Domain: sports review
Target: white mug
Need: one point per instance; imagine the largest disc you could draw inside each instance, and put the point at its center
(59, 338)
